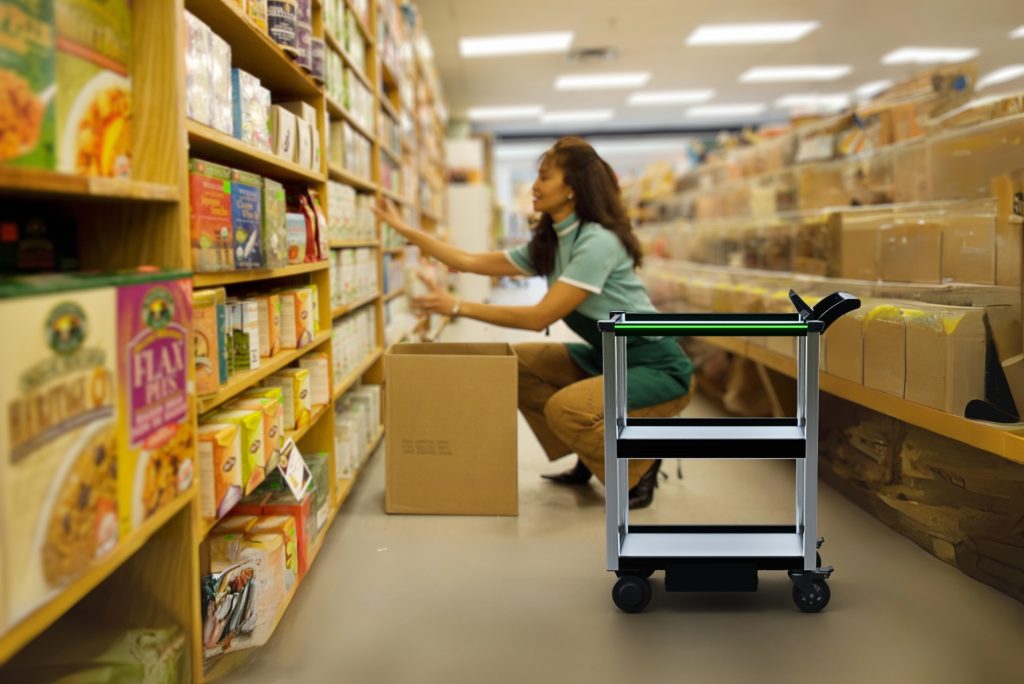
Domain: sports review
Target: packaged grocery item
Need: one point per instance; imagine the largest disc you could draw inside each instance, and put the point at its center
(277, 394)
(318, 67)
(58, 474)
(283, 132)
(320, 492)
(286, 388)
(257, 10)
(273, 425)
(269, 315)
(198, 92)
(323, 230)
(206, 341)
(247, 219)
(94, 92)
(302, 110)
(296, 236)
(221, 116)
(245, 107)
(314, 301)
(275, 231)
(304, 150)
(300, 201)
(281, 24)
(885, 346)
(283, 525)
(210, 216)
(250, 425)
(296, 381)
(296, 318)
(27, 79)
(304, 33)
(245, 335)
(945, 356)
(223, 335)
(282, 503)
(319, 368)
(236, 523)
(157, 437)
(220, 468)
(345, 446)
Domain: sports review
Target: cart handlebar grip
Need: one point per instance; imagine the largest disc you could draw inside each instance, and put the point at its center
(800, 304)
(832, 308)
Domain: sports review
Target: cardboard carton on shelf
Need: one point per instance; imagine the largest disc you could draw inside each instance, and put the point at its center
(969, 243)
(844, 353)
(945, 366)
(439, 460)
(885, 344)
(910, 250)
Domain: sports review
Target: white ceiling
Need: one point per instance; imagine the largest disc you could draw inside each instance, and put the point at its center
(650, 35)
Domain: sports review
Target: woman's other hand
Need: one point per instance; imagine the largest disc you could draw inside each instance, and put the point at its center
(437, 300)
(388, 213)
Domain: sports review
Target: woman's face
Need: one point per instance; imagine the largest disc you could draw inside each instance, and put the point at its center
(550, 193)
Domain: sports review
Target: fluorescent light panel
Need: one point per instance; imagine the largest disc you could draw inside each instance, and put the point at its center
(504, 113)
(872, 88)
(814, 101)
(515, 44)
(751, 34)
(669, 97)
(578, 116)
(621, 79)
(725, 111)
(1007, 73)
(780, 74)
(929, 55)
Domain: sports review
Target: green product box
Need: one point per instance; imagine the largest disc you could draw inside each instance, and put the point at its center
(27, 84)
(320, 489)
(275, 231)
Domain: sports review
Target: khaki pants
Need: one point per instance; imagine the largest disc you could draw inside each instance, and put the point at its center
(565, 407)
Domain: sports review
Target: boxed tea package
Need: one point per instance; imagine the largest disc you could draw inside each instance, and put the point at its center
(94, 91)
(205, 340)
(295, 381)
(247, 219)
(220, 468)
(269, 317)
(245, 336)
(27, 79)
(58, 477)
(250, 425)
(275, 231)
(277, 394)
(257, 11)
(297, 317)
(221, 115)
(273, 425)
(250, 114)
(210, 216)
(283, 132)
(283, 525)
(319, 368)
(156, 409)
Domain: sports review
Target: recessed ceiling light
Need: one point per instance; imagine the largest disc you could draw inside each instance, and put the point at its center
(751, 34)
(929, 55)
(815, 102)
(725, 111)
(872, 88)
(1017, 32)
(577, 116)
(515, 44)
(778, 74)
(622, 79)
(1007, 73)
(503, 113)
(669, 97)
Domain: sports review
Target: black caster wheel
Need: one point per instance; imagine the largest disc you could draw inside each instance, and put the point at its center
(815, 601)
(631, 594)
(645, 574)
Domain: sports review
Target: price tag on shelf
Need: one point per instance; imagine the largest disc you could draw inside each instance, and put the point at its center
(294, 470)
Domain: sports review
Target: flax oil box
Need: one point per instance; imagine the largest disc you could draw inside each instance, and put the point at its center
(87, 422)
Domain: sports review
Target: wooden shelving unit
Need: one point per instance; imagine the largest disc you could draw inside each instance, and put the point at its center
(397, 293)
(152, 577)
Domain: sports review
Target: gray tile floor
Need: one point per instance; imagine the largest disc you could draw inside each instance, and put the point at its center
(403, 599)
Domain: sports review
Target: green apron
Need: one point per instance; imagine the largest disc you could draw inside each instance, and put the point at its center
(657, 370)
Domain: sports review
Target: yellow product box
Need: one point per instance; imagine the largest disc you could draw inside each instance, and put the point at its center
(296, 318)
(273, 426)
(283, 525)
(844, 353)
(269, 317)
(885, 346)
(277, 394)
(94, 90)
(220, 469)
(206, 339)
(314, 305)
(58, 437)
(250, 424)
(319, 368)
(294, 382)
(945, 356)
(235, 524)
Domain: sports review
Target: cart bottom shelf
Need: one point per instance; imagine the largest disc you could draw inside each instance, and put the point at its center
(704, 545)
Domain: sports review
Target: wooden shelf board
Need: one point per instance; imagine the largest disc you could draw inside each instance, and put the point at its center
(36, 182)
(390, 108)
(365, 29)
(396, 157)
(343, 244)
(337, 110)
(388, 77)
(429, 215)
(242, 381)
(395, 250)
(232, 277)
(352, 66)
(212, 145)
(343, 175)
(393, 196)
(340, 311)
(349, 380)
(392, 295)
(1005, 443)
(29, 628)
(254, 51)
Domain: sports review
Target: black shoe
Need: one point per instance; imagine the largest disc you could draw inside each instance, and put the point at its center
(642, 495)
(579, 475)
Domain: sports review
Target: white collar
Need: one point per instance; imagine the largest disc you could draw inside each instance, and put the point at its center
(568, 229)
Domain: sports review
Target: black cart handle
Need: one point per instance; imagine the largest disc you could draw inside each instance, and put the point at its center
(828, 310)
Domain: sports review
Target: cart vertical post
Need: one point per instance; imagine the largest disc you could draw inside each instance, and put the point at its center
(809, 373)
(615, 526)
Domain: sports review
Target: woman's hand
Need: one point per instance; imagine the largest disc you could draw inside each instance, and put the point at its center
(387, 213)
(436, 301)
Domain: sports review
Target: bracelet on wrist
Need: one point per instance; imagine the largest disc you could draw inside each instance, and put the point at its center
(456, 308)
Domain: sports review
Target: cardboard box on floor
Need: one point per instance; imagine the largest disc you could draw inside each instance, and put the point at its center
(451, 425)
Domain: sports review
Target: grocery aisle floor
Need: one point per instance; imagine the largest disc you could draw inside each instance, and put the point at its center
(404, 599)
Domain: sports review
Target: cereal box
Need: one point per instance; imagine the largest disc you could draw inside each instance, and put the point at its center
(247, 219)
(210, 216)
(268, 309)
(58, 435)
(27, 112)
(220, 469)
(275, 232)
(273, 426)
(205, 341)
(250, 424)
(94, 92)
(319, 368)
(156, 410)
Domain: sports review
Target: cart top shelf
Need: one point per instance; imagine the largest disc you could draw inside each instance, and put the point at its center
(710, 325)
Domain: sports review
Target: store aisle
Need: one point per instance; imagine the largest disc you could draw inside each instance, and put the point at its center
(403, 599)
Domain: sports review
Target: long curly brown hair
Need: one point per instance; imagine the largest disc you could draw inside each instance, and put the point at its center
(598, 200)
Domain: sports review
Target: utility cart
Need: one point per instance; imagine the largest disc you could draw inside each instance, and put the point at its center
(716, 557)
